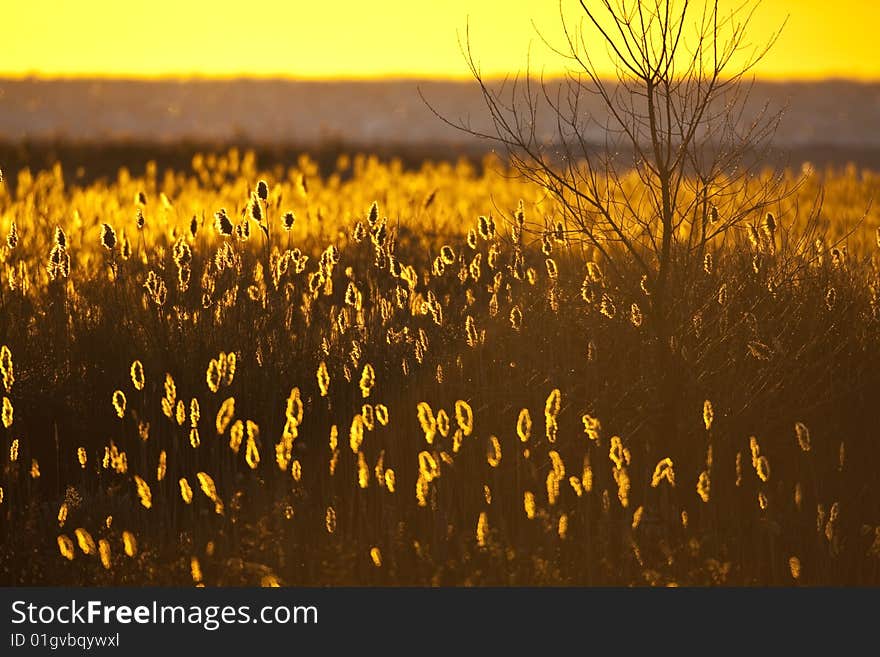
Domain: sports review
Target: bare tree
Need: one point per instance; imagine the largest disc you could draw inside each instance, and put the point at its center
(673, 122)
(663, 173)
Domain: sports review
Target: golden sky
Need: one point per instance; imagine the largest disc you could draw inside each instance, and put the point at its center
(369, 38)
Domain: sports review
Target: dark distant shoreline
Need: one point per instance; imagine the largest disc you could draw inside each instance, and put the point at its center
(85, 162)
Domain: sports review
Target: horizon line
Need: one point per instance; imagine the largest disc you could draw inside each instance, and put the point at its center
(18, 76)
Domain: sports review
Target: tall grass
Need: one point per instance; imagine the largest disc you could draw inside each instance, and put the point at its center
(228, 375)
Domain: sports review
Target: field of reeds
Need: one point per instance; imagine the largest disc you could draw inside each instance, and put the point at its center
(225, 375)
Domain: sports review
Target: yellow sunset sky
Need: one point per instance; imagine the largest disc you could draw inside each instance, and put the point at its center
(370, 39)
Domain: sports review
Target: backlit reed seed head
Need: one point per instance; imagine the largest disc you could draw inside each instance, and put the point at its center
(143, 491)
(296, 470)
(587, 474)
(170, 388)
(552, 485)
(363, 471)
(356, 433)
(334, 438)
(6, 370)
(754, 236)
(352, 296)
(129, 543)
(607, 307)
(390, 480)
(368, 380)
(104, 553)
(769, 224)
(252, 452)
(82, 457)
(293, 411)
(803, 436)
(137, 375)
(35, 469)
(637, 517)
(7, 412)
(59, 263)
(635, 315)
(108, 237)
(119, 403)
(483, 227)
(794, 566)
(186, 493)
(323, 379)
(464, 417)
(443, 423)
(222, 223)
(562, 526)
(85, 541)
(428, 467)
(529, 504)
(703, 486)
(206, 482)
(615, 452)
(213, 375)
(553, 404)
(447, 255)
(482, 530)
(225, 414)
(194, 412)
(755, 449)
(471, 334)
(373, 214)
(262, 190)
(763, 502)
(382, 414)
(236, 436)
(330, 520)
(708, 414)
(60, 238)
(524, 425)
(13, 450)
(427, 421)
(62, 514)
(288, 220)
(180, 412)
(181, 253)
(708, 264)
(516, 318)
(831, 525)
(12, 236)
(65, 547)
(493, 456)
(163, 465)
(762, 468)
(621, 478)
(663, 470)
(255, 209)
